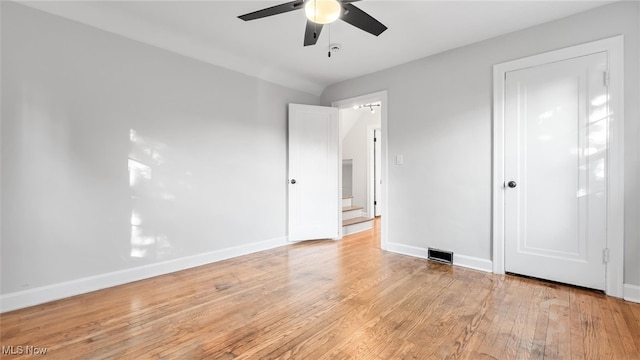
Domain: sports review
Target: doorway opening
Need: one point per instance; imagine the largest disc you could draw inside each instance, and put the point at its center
(362, 147)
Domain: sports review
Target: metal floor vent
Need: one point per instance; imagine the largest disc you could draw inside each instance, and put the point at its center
(445, 257)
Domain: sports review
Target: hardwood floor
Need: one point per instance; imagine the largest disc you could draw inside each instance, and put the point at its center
(330, 300)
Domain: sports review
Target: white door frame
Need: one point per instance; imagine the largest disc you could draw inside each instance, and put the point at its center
(613, 47)
(368, 98)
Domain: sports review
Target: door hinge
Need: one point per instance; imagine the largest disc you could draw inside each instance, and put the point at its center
(375, 139)
(606, 78)
(375, 203)
(605, 255)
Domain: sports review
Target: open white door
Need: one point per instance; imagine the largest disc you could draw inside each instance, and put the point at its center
(314, 206)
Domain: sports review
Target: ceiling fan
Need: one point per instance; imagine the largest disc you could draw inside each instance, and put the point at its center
(321, 12)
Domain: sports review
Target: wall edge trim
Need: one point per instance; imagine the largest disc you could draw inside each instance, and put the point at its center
(43, 294)
(465, 261)
(632, 293)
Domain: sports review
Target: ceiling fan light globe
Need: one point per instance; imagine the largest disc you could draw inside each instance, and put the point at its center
(322, 11)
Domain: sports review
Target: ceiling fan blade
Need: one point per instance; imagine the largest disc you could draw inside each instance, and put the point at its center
(362, 20)
(312, 33)
(274, 10)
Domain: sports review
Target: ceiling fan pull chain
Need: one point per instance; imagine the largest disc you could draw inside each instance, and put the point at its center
(329, 53)
(315, 19)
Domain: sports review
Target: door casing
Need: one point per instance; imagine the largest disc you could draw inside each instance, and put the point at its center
(613, 47)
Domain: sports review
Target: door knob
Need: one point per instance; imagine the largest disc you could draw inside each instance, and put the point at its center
(293, 181)
(512, 184)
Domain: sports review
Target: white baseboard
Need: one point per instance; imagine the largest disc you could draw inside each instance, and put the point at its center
(43, 294)
(473, 263)
(632, 293)
(406, 250)
(458, 260)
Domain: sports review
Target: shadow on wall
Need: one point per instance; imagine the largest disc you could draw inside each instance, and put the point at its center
(152, 198)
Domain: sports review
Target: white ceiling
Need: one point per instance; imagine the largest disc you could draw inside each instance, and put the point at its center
(271, 48)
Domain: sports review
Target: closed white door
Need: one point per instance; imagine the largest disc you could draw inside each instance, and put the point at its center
(556, 137)
(314, 204)
(377, 172)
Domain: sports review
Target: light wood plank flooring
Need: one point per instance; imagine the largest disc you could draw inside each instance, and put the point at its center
(330, 300)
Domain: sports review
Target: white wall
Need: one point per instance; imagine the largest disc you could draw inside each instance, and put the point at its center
(354, 146)
(440, 120)
(78, 103)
